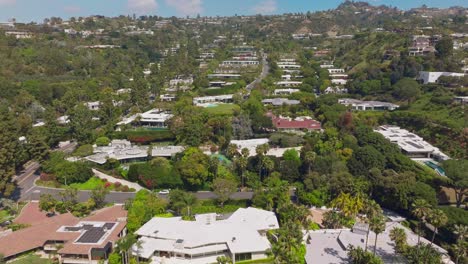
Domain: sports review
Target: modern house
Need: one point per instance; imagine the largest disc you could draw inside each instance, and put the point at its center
(87, 241)
(288, 83)
(223, 76)
(241, 236)
(331, 245)
(335, 90)
(432, 77)
(359, 105)
(181, 81)
(280, 102)
(411, 144)
(93, 106)
(289, 66)
(155, 118)
(335, 71)
(121, 150)
(288, 91)
(296, 125)
(240, 63)
(206, 100)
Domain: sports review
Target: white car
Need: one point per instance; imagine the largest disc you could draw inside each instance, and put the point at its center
(164, 192)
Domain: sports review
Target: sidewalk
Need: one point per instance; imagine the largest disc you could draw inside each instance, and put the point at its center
(111, 179)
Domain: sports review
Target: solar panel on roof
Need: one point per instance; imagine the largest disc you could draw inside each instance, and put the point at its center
(92, 235)
(108, 226)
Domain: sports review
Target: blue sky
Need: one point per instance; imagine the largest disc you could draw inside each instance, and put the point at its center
(36, 10)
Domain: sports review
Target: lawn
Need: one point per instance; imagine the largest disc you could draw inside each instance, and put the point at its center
(4, 215)
(91, 184)
(222, 109)
(31, 259)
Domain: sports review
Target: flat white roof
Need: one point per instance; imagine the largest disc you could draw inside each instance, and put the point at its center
(239, 233)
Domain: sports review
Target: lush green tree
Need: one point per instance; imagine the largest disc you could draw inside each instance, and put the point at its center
(444, 48)
(47, 203)
(81, 123)
(407, 89)
(224, 188)
(437, 219)
(360, 256)
(457, 173)
(98, 195)
(179, 200)
(102, 141)
(421, 209)
(9, 147)
(398, 236)
(377, 225)
(193, 167)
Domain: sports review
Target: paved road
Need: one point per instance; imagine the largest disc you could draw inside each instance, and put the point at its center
(25, 180)
(263, 75)
(119, 197)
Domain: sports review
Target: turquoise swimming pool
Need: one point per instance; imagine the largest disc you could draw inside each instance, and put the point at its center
(435, 167)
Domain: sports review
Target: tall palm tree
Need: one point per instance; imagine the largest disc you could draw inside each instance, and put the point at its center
(124, 246)
(371, 209)
(377, 224)
(268, 164)
(421, 210)
(309, 158)
(189, 200)
(398, 235)
(437, 218)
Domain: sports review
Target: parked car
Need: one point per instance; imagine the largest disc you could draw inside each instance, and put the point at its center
(164, 192)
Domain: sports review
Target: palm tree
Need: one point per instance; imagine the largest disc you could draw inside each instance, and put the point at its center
(377, 224)
(309, 158)
(371, 209)
(437, 219)
(268, 164)
(189, 200)
(398, 235)
(124, 245)
(232, 151)
(421, 210)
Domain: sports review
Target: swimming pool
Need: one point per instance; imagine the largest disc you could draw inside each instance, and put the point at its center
(435, 167)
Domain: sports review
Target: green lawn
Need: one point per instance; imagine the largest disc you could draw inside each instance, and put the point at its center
(222, 109)
(4, 215)
(31, 259)
(91, 184)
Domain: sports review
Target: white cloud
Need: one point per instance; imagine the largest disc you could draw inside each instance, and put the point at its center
(266, 7)
(7, 2)
(142, 6)
(186, 7)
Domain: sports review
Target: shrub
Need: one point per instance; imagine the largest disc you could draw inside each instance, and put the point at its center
(84, 150)
(103, 141)
(47, 177)
(117, 184)
(107, 185)
(124, 188)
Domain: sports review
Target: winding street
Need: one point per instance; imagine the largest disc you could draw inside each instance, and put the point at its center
(263, 75)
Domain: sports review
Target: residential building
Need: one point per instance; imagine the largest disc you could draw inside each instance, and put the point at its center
(335, 90)
(461, 99)
(155, 118)
(432, 77)
(240, 63)
(167, 97)
(19, 34)
(280, 102)
(360, 105)
(288, 91)
(288, 83)
(289, 66)
(223, 76)
(181, 81)
(411, 144)
(166, 151)
(121, 150)
(339, 81)
(334, 71)
(241, 236)
(331, 245)
(93, 106)
(296, 125)
(88, 240)
(208, 100)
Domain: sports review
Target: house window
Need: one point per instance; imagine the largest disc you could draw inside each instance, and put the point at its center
(243, 256)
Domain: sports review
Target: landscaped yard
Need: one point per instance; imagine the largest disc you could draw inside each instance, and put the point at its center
(90, 184)
(31, 259)
(222, 109)
(4, 215)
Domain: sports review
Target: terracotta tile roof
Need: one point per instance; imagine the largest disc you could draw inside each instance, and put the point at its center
(31, 215)
(46, 229)
(298, 123)
(35, 236)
